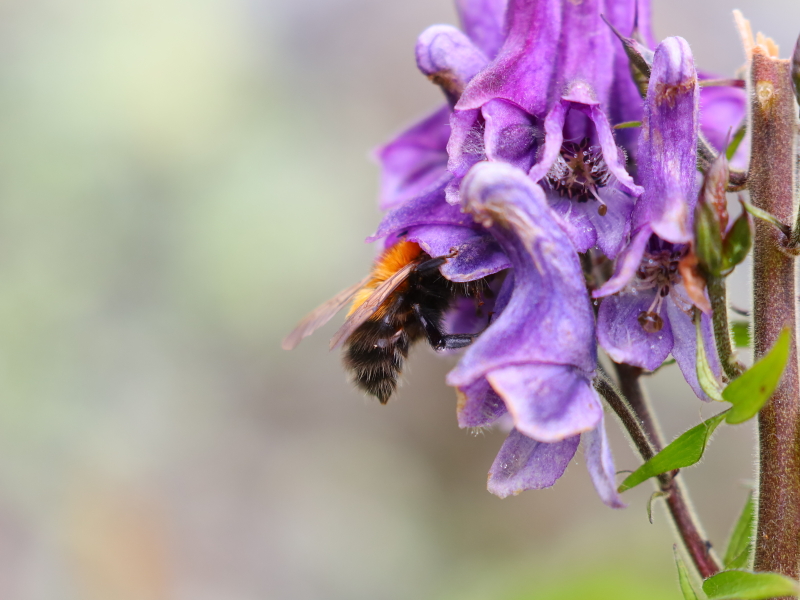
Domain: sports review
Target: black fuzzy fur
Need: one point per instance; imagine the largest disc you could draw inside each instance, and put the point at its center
(376, 350)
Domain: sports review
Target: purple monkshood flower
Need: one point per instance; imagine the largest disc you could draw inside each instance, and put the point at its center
(538, 358)
(415, 162)
(551, 82)
(648, 313)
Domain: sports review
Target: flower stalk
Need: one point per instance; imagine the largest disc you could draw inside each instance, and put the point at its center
(771, 184)
(632, 408)
(717, 292)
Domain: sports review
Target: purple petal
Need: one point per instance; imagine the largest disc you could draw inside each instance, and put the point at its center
(627, 104)
(548, 402)
(452, 191)
(479, 405)
(605, 138)
(587, 49)
(553, 139)
(525, 464)
(644, 20)
(427, 209)
(549, 318)
(722, 110)
(449, 59)
(624, 339)
(504, 295)
(478, 255)
(668, 144)
(510, 134)
(415, 161)
(613, 227)
(466, 317)
(465, 146)
(627, 264)
(600, 464)
(524, 67)
(579, 99)
(685, 348)
(484, 22)
(576, 220)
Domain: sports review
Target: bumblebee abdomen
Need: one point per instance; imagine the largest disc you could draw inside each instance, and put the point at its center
(375, 354)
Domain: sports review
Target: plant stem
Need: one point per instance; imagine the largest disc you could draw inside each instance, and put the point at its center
(771, 183)
(722, 332)
(633, 410)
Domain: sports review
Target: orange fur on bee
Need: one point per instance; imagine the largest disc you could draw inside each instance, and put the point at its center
(390, 262)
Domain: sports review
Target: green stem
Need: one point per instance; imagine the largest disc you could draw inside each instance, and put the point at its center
(722, 331)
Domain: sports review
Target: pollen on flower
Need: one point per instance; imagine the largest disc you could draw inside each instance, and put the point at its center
(579, 171)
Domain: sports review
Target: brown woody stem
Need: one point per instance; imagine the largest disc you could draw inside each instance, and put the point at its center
(773, 114)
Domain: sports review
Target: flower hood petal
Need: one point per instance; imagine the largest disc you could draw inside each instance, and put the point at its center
(549, 318)
(415, 161)
(525, 65)
(449, 59)
(484, 22)
(668, 144)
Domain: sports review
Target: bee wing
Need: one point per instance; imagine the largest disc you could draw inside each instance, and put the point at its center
(372, 304)
(321, 315)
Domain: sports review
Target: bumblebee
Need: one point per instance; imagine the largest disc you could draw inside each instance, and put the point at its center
(402, 301)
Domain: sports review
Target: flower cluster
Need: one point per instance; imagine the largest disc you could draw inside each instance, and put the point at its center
(523, 172)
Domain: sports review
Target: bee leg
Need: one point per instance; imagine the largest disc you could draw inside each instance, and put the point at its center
(452, 341)
(437, 338)
(430, 265)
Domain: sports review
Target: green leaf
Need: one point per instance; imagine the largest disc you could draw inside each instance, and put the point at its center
(683, 577)
(743, 560)
(737, 554)
(685, 451)
(746, 585)
(767, 217)
(737, 139)
(751, 390)
(741, 334)
(628, 125)
(705, 376)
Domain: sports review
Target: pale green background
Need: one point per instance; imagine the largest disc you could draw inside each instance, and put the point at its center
(180, 181)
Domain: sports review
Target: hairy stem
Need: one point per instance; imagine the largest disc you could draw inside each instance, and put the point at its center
(722, 331)
(771, 183)
(633, 410)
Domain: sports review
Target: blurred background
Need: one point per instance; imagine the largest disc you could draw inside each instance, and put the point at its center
(180, 182)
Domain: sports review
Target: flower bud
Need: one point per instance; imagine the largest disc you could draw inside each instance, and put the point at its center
(737, 242)
(715, 184)
(708, 237)
(640, 57)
